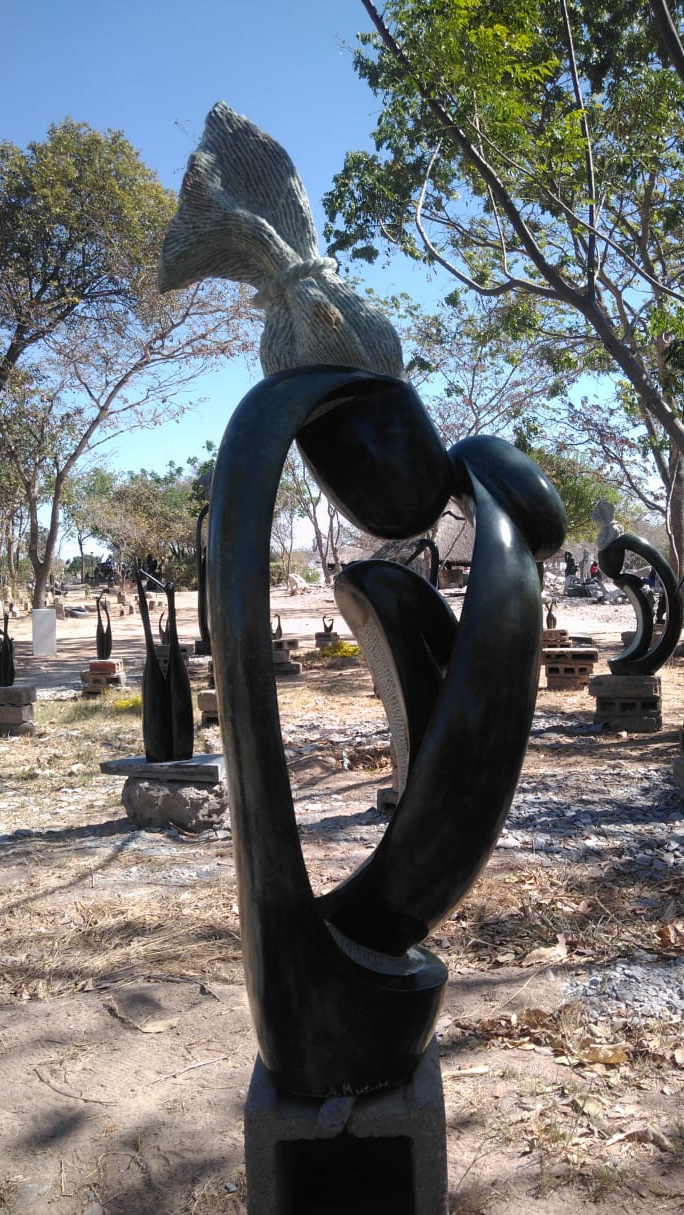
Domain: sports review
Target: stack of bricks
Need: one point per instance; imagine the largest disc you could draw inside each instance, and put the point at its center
(103, 673)
(628, 702)
(207, 701)
(284, 650)
(568, 666)
(16, 710)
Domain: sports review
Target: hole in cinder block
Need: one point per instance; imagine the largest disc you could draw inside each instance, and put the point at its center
(345, 1175)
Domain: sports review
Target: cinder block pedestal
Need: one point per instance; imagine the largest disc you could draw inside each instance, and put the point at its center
(323, 641)
(16, 710)
(207, 703)
(568, 666)
(628, 702)
(383, 1154)
(103, 673)
(284, 651)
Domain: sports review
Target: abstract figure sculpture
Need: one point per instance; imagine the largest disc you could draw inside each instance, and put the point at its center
(642, 656)
(103, 634)
(358, 948)
(6, 655)
(166, 695)
(343, 994)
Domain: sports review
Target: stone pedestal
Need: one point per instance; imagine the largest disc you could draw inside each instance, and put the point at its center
(16, 710)
(191, 794)
(568, 667)
(162, 652)
(323, 641)
(284, 651)
(628, 702)
(555, 637)
(207, 703)
(44, 632)
(371, 1155)
(103, 673)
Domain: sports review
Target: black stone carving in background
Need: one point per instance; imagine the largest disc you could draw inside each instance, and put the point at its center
(343, 995)
(641, 657)
(167, 717)
(201, 568)
(6, 655)
(430, 547)
(103, 635)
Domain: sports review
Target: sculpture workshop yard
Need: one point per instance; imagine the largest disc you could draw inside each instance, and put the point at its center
(126, 1045)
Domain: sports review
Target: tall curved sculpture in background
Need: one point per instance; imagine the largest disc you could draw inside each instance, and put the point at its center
(643, 656)
(343, 994)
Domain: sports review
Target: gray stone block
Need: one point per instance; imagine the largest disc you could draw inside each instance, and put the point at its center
(18, 694)
(380, 1154)
(193, 808)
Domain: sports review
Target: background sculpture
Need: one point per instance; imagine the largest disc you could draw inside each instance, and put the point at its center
(643, 656)
(168, 727)
(6, 655)
(103, 633)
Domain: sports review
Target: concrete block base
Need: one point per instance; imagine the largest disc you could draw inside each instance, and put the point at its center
(568, 666)
(628, 702)
(382, 1154)
(16, 710)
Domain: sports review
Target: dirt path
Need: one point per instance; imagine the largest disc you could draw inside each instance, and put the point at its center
(126, 1044)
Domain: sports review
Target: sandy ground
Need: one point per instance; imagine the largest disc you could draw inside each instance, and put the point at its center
(126, 1044)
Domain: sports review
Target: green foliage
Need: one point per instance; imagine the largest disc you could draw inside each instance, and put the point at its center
(541, 163)
(579, 484)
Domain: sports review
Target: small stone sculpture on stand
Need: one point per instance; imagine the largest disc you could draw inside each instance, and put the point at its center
(630, 698)
(328, 638)
(104, 671)
(343, 994)
(16, 701)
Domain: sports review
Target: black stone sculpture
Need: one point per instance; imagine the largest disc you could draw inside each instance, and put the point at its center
(641, 657)
(103, 634)
(168, 732)
(163, 630)
(343, 995)
(201, 566)
(6, 655)
(429, 546)
(328, 625)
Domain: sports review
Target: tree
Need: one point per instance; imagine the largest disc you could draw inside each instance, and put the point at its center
(156, 513)
(87, 345)
(536, 150)
(84, 497)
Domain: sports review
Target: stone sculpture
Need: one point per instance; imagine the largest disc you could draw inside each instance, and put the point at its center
(103, 633)
(168, 732)
(430, 547)
(343, 994)
(643, 656)
(6, 655)
(463, 729)
(201, 567)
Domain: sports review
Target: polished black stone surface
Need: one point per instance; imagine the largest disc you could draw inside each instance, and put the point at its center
(343, 995)
(643, 656)
(168, 726)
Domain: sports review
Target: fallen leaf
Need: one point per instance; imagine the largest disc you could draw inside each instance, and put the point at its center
(604, 1052)
(157, 1027)
(546, 954)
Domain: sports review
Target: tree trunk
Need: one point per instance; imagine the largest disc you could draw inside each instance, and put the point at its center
(675, 513)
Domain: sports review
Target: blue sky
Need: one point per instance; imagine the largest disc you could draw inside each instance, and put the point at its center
(153, 69)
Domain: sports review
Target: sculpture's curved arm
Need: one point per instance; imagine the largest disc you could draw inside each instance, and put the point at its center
(406, 632)
(463, 778)
(640, 657)
(370, 1017)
